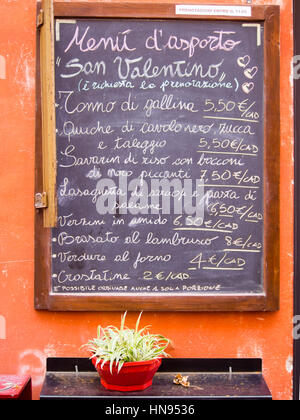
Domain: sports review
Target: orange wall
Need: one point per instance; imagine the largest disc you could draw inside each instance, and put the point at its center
(28, 337)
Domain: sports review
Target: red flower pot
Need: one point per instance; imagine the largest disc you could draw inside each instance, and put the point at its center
(135, 376)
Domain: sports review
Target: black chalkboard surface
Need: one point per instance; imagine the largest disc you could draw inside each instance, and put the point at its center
(167, 161)
(149, 104)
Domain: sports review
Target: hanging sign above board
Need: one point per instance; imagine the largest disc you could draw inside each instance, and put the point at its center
(167, 160)
(206, 10)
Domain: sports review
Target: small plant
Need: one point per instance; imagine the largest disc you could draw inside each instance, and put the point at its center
(119, 346)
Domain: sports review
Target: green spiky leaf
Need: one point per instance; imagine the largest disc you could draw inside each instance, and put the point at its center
(118, 346)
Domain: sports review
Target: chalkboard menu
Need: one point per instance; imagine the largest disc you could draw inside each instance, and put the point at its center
(160, 136)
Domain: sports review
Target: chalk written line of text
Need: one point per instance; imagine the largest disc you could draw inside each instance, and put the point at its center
(159, 42)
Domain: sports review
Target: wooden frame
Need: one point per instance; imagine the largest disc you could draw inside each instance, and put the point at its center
(48, 113)
(269, 300)
(297, 203)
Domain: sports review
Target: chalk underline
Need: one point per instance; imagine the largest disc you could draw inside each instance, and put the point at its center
(227, 153)
(230, 119)
(204, 230)
(231, 186)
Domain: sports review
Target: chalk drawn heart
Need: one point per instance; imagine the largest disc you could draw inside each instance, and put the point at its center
(244, 61)
(248, 87)
(250, 73)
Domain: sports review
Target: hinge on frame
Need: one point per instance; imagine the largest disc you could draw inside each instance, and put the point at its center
(41, 201)
(40, 19)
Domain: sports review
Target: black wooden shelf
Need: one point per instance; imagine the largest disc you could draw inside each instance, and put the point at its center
(211, 379)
